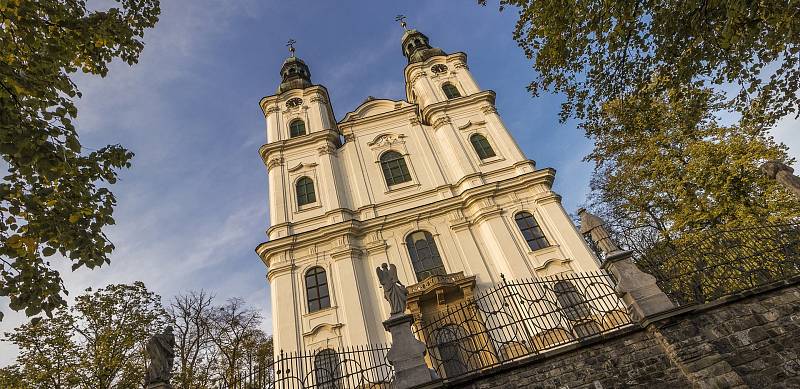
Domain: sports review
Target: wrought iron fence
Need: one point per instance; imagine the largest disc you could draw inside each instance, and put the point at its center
(352, 367)
(520, 318)
(707, 266)
(346, 368)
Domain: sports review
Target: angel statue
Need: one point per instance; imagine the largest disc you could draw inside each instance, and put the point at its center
(393, 290)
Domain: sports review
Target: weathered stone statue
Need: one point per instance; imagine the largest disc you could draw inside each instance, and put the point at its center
(596, 228)
(407, 354)
(784, 174)
(160, 351)
(393, 290)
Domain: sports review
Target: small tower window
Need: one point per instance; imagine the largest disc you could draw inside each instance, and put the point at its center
(450, 91)
(317, 289)
(296, 128)
(482, 146)
(305, 191)
(424, 255)
(394, 168)
(531, 231)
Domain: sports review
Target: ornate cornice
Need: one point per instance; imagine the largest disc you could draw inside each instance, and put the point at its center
(275, 271)
(272, 109)
(468, 199)
(488, 109)
(319, 99)
(346, 252)
(386, 140)
(326, 149)
(267, 101)
(417, 77)
(301, 141)
(274, 162)
(480, 98)
(440, 122)
(458, 280)
(300, 166)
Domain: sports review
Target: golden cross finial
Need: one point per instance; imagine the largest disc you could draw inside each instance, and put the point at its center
(402, 20)
(290, 44)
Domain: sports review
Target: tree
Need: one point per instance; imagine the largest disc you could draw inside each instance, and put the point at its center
(12, 378)
(195, 358)
(55, 197)
(663, 162)
(596, 51)
(234, 330)
(649, 83)
(48, 354)
(97, 344)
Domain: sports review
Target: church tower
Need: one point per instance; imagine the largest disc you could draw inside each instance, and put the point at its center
(434, 184)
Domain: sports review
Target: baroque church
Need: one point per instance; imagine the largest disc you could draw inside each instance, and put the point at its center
(434, 184)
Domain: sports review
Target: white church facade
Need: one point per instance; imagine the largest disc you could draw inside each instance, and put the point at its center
(434, 184)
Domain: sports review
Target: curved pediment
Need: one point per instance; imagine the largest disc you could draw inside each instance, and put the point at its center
(373, 106)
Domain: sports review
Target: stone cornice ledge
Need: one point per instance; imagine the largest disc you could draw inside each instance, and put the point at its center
(455, 57)
(356, 227)
(305, 92)
(401, 113)
(459, 102)
(272, 273)
(314, 137)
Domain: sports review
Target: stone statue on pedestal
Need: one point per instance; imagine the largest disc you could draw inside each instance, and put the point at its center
(407, 354)
(393, 290)
(596, 228)
(161, 354)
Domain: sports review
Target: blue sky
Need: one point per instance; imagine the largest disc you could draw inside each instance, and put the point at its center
(194, 205)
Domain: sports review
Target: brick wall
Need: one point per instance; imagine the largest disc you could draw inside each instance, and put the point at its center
(744, 341)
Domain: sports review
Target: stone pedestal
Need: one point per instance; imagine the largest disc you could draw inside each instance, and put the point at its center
(407, 354)
(637, 289)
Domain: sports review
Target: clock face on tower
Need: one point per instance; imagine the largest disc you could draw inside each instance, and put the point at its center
(294, 102)
(439, 68)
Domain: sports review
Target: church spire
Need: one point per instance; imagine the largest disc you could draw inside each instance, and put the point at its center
(294, 72)
(415, 44)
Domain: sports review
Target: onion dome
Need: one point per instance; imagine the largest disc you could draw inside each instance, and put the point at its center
(294, 74)
(416, 47)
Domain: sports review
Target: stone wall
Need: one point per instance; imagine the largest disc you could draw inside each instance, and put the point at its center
(746, 341)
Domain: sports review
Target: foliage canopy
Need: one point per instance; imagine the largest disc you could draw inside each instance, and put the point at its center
(678, 97)
(55, 197)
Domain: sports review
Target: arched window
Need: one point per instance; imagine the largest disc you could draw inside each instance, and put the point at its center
(531, 231)
(394, 168)
(482, 146)
(296, 128)
(424, 255)
(573, 303)
(328, 370)
(317, 289)
(305, 191)
(455, 347)
(450, 91)
(575, 308)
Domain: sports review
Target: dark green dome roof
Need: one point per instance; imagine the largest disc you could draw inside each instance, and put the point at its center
(416, 47)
